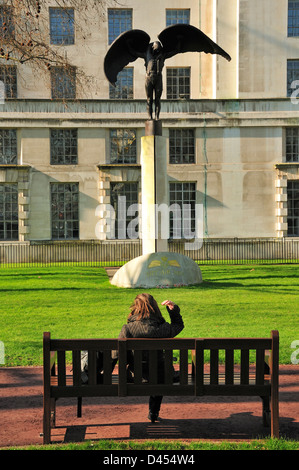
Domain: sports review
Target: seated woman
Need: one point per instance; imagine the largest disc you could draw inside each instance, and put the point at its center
(146, 321)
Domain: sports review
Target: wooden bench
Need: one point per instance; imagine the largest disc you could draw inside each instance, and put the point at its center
(198, 366)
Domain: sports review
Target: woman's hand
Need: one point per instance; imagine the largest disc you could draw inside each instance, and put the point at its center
(169, 304)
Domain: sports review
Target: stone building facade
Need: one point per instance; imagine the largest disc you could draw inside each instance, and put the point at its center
(231, 127)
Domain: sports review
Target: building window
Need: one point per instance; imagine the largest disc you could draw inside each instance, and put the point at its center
(181, 146)
(122, 196)
(64, 147)
(178, 83)
(62, 30)
(8, 75)
(182, 198)
(65, 211)
(123, 146)
(292, 144)
(124, 86)
(7, 27)
(293, 18)
(63, 82)
(8, 147)
(181, 16)
(119, 21)
(293, 208)
(9, 224)
(292, 75)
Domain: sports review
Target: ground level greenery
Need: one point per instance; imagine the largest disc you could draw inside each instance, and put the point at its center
(164, 446)
(74, 302)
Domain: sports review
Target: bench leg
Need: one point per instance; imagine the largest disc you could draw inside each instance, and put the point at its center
(79, 407)
(266, 412)
(49, 418)
(47, 424)
(274, 417)
(53, 413)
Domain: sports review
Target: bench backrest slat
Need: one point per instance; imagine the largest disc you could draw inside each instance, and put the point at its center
(244, 366)
(260, 366)
(92, 367)
(183, 366)
(168, 362)
(61, 368)
(229, 367)
(76, 367)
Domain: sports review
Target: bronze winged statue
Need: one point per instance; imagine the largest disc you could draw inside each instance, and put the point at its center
(135, 43)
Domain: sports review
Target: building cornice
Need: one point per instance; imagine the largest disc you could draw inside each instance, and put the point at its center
(123, 113)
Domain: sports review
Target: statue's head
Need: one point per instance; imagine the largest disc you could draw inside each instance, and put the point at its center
(157, 47)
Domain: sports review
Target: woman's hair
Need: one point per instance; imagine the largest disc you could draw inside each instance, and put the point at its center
(145, 306)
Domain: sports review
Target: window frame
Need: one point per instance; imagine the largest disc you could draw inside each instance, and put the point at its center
(66, 142)
(11, 85)
(292, 144)
(112, 35)
(68, 83)
(60, 41)
(121, 150)
(174, 81)
(9, 139)
(292, 71)
(174, 187)
(293, 14)
(65, 221)
(119, 92)
(293, 209)
(170, 21)
(179, 135)
(114, 203)
(14, 209)
(6, 11)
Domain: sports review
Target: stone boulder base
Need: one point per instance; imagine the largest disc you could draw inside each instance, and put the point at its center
(159, 270)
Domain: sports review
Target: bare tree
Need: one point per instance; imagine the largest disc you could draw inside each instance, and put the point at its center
(26, 35)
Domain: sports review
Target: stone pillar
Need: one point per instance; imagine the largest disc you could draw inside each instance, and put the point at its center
(153, 186)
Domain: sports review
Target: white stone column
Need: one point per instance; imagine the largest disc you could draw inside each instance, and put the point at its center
(154, 191)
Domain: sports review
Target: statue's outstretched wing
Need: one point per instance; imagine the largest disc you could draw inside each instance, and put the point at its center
(180, 38)
(126, 48)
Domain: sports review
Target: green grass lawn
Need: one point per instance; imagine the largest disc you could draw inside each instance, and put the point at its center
(74, 302)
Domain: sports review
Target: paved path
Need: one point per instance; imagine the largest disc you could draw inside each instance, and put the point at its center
(185, 418)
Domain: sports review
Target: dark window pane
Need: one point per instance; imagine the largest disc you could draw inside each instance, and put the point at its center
(62, 29)
(119, 21)
(123, 195)
(293, 208)
(178, 83)
(181, 16)
(65, 211)
(64, 148)
(124, 86)
(123, 146)
(63, 82)
(9, 226)
(8, 147)
(181, 146)
(182, 221)
(293, 18)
